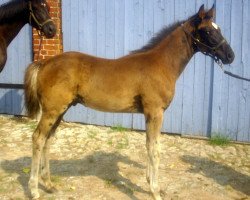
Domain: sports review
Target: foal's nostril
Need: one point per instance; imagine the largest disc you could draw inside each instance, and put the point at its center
(230, 56)
(51, 30)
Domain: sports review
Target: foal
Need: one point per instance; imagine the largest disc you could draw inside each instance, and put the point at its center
(142, 82)
(15, 14)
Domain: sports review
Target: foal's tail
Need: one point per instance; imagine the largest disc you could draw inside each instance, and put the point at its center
(30, 84)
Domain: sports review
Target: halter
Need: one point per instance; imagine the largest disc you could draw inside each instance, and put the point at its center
(40, 26)
(212, 49)
(212, 54)
(32, 16)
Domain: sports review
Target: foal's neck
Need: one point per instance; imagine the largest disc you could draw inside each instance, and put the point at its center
(176, 51)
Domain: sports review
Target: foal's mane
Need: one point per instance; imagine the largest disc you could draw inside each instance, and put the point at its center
(11, 10)
(155, 40)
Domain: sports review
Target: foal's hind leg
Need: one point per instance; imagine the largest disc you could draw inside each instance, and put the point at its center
(45, 168)
(153, 126)
(39, 138)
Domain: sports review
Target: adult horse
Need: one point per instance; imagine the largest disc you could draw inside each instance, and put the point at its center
(142, 82)
(15, 14)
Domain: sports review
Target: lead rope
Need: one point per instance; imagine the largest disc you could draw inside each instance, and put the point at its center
(230, 73)
(40, 45)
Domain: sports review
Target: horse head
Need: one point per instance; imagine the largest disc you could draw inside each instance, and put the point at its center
(207, 37)
(40, 19)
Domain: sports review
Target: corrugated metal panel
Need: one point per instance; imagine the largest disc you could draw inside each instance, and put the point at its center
(206, 100)
(19, 56)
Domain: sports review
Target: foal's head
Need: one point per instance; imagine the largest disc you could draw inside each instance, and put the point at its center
(40, 18)
(207, 38)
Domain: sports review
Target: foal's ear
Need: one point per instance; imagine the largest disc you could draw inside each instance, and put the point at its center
(211, 12)
(202, 12)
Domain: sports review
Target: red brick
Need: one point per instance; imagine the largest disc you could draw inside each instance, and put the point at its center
(50, 47)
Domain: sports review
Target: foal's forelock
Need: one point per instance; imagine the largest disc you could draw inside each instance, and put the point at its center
(11, 10)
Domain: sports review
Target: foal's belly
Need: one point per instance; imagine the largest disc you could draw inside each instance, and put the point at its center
(109, 103)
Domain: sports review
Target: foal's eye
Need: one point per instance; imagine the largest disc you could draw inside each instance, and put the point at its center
(208, 33)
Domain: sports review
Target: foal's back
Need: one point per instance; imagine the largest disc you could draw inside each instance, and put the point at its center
(108, 85)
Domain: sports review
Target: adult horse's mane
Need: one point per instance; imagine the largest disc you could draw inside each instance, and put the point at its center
(162, 34)
(11, 10)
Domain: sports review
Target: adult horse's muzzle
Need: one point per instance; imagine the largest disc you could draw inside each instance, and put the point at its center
(49, 29)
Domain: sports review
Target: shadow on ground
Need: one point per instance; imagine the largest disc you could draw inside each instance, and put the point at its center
(222, 174)
(100, 164)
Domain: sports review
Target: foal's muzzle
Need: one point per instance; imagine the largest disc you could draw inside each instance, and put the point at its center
(230, 57)
(225, 54)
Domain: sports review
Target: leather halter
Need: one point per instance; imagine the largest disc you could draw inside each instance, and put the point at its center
(212, 49)
(212, 54)
(32, 16)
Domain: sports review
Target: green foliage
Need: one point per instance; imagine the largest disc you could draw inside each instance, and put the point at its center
(92, 134)
(109, 182)
(118, 128)
(123, 143)
(110, 142)
(56, 179)
(32, 125)
(3, 189)
(219, 140)
(26, 170)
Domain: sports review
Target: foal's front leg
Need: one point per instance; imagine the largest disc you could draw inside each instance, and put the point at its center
(153, 126)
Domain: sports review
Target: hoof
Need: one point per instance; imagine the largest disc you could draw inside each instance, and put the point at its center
(33, 191)
(52, 189)
(157, 196)
(35, 195)
(49, 186)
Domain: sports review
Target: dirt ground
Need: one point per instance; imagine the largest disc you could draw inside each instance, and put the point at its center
(100, 163)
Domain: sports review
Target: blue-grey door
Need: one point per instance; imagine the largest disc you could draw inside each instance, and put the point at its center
(19, 56)
(206, 101)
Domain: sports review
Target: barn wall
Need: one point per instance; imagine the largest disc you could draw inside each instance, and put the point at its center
(206, 101)
(231, 97)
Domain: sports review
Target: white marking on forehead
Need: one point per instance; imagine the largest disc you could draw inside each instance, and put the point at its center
(215, 25)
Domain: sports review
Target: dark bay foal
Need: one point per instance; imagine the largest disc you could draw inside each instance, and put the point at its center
(142, 82)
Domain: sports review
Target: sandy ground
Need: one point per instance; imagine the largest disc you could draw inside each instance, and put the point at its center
(100, 163)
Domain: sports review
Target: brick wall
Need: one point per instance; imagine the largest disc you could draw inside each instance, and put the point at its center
(50, 47)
